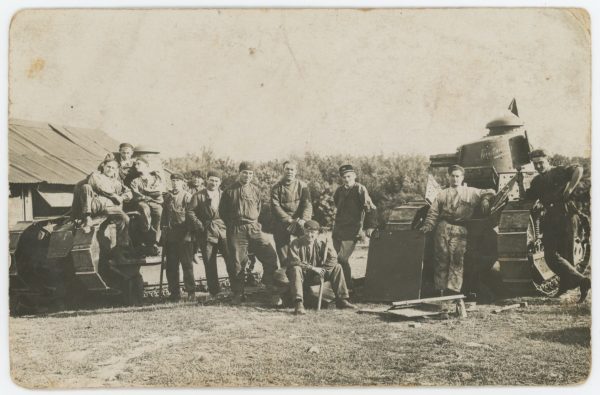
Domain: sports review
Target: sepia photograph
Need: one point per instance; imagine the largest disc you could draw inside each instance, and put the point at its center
(299, 197)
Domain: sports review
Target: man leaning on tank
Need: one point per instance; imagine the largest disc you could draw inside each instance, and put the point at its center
(553, 186)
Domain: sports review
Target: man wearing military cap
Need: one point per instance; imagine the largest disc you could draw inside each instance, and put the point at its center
(553, 186)
(291, 208)
(177, 239)
(310, 258)
(355, 211)
(450, 210)
(209, 228)
(240, 207)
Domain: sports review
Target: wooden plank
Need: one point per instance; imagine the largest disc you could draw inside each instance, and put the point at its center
(428, 300)
(412, 313)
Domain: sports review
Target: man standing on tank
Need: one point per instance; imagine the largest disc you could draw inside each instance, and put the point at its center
(553, 186)
(355, 211)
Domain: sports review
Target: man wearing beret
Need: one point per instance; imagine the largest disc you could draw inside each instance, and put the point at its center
(240, 207)
(355, 211)
(291, 207)
(553, 186)
(209, 228)
(177, 239)
(311, 258)
(148, 189)
(450, 210)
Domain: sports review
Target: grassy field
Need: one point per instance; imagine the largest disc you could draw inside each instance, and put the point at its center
(185, 344)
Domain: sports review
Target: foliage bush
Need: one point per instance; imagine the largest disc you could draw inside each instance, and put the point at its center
(392, 180)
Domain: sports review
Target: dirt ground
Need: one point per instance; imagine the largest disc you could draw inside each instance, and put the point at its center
(189, 344)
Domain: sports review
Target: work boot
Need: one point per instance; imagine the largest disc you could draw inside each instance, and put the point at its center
(344, 304)
(276, 300)
(236, 299)
(584, 288)
(299, 308)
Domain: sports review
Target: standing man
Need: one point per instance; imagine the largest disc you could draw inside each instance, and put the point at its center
(196, 184)
(355, 211)
(311, 258)
(553, 187)
(177, 239)
(240, 207)
(209, 229)
(450, 210)
(291, 207)
(103, 194)
(147, 192)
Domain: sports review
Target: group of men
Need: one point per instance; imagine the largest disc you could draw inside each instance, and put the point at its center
(194, 216)
(553, 187)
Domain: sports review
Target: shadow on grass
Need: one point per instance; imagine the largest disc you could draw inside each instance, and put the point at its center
(579, 336)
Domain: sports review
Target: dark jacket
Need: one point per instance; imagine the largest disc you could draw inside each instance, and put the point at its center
(300, 255)
(290, 201)
(240, 204)
(173, 218)
(204, 219)
(354, 209)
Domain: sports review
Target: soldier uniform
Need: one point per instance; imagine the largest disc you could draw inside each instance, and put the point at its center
(559, 223)
(240, 207)
(210, 235)
(178, 241)
(355, 209)
(452, 207)
(304, 256)
(290, 200)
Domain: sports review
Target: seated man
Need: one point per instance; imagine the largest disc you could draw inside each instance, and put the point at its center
(103, 194)
(310, 258)
(147, 192)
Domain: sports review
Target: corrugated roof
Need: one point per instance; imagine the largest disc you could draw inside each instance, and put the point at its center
(42, 152)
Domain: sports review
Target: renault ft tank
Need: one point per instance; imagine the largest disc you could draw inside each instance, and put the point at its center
(509, 240)
(56, 264)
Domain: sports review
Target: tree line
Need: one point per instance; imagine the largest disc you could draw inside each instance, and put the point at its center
(392, 179)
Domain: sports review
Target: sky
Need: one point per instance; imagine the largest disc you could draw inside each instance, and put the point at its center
(264, 84)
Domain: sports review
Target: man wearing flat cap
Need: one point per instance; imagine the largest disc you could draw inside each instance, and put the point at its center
(209, 229)
(240, 207)
(177, 239)
(310, 258)
(291, 207)
(553, 186)
(355, 211)
(450, 210)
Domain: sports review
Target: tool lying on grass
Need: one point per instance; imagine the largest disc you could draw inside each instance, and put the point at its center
(419, 308)
(510, 307)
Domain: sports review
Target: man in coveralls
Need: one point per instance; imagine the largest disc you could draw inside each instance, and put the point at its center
(451, 208)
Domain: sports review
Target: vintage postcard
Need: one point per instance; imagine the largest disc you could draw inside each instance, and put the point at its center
(299, 197)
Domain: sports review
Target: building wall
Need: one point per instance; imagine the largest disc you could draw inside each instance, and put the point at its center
(20, 207)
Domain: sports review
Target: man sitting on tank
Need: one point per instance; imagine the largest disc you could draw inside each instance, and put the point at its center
(148, 191)
(450, 210)
(103, 194)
